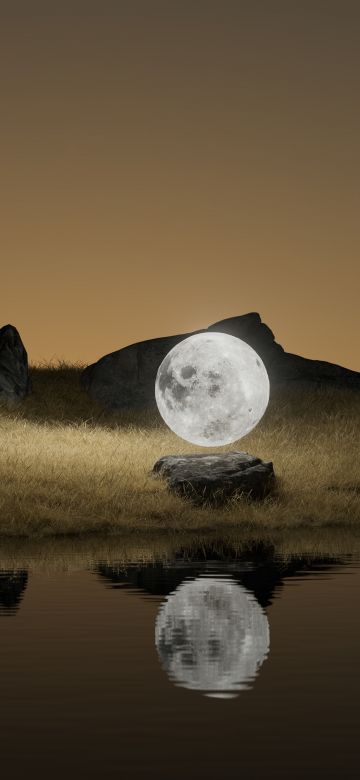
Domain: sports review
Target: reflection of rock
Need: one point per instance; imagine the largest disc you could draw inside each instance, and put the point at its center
(217, 476)
(126, 378)
(259, 571)
(12, 586)
(14, 377)
(212, 635)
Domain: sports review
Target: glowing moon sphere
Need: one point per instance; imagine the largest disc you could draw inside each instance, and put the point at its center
(212, 635)
(212, 389)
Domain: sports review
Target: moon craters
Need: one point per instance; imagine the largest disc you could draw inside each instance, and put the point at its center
(212, 389)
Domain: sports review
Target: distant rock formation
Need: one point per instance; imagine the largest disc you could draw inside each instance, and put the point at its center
(251, 329)
(14, 372)
(126, 378)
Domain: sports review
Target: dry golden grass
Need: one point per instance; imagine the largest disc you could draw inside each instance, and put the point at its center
(67, 467)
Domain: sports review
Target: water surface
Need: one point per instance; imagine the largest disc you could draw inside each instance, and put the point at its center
(196, 665)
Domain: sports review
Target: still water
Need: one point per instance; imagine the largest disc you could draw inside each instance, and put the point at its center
(198, 665)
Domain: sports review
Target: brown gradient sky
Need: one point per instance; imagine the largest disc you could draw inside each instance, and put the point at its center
(168, 163)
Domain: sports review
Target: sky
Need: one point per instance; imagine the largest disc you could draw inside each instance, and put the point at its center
(170, 163)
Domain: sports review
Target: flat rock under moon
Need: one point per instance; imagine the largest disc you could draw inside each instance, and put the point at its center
(212, 635)
(211, 389)
(215, 477)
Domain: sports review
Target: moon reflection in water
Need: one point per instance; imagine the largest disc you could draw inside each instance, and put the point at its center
(212, 635)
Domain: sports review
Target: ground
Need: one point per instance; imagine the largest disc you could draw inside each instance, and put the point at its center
(69, 467)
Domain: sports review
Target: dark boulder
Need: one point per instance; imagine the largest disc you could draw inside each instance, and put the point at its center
(14, 372)
(215, 477)
(126, 378)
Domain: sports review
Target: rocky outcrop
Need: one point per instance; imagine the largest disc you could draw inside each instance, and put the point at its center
(214, 478)
(14, 372)
(126, 378)
(284, 367)
(251, 329)
(294, 368)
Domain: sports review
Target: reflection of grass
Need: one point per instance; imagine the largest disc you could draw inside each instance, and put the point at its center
(70, 553)
(68, 467)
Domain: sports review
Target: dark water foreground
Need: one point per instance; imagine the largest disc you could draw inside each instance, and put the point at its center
(197, 661)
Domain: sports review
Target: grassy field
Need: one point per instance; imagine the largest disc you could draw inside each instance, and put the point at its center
(68, 467)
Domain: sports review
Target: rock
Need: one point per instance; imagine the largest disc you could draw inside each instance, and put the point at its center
(126, 378)
(213, 478)
(251, 329)
(14, 372)
(313, 373)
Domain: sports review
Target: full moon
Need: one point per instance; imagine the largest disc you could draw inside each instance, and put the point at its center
(212, 635)
(211, 389)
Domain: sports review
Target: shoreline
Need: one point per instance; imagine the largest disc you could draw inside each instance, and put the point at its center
(75, 551)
